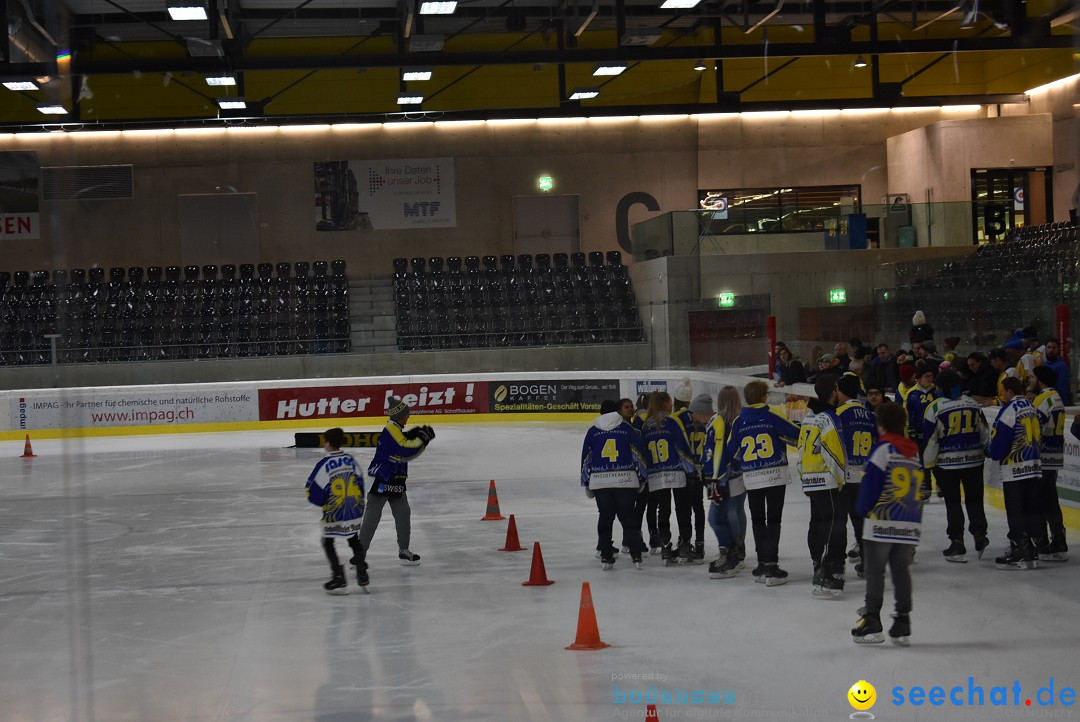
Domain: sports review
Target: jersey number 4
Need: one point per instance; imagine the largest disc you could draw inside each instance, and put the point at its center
(611, 451)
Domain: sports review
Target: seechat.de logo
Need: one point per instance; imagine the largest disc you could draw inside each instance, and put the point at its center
(862, 697)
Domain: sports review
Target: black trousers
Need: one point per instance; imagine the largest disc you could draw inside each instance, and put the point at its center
(766, 514)
(850, 495)
(827, 535)
(612, 503)
(1024, 509)
(658, 515)
(898, 557)
(683, 510)
(1051, 506)
(696, 490)
(951, 481)
(331, 552)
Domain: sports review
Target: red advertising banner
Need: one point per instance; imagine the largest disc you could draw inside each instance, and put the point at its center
(332, 402)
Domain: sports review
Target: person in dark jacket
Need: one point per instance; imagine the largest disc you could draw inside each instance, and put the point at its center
(791, 369)
(920, 329)
(982, 383)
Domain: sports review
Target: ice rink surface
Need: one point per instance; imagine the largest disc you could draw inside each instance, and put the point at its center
(178, 578)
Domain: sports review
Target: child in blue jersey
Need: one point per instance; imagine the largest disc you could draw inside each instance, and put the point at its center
(337, 485)
(671, 464)
(757, 449)
(1014, 445)
(389, 471)
(891, 500)
(613, 473)
(858, 432)
(727, 514)
(822, 472)
(956, 434)
(1051, 411)
(695, 434)
(915, 404)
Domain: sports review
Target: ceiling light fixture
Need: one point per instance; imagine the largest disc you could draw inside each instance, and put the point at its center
(220, 80)
(187, 10)
(860, 62)
(52, 109)
(699, 65)
(426, 43)
(678, 4)
(438, 7)
(416, 74)
(610, 69)
(584, 93)
(21, 85)
(410, 99)
(232, 103)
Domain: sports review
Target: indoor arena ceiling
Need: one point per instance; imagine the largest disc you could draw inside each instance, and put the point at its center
(120, 62)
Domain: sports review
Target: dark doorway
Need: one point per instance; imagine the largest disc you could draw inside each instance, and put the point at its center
(1006, 198)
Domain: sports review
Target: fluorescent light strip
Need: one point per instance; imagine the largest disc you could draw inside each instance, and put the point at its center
(584, 93)
(232, 103)
(438, 7)
(610, 69)
(416, 75)
(410, 99)
(220, 80)
(52, 109)
(1053, 84)
(21, 85)
(187, 13)
(678, 4)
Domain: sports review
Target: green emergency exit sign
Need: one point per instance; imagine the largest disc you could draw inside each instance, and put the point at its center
(838, 295)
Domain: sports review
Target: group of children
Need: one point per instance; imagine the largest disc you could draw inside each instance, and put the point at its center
(337, 485)
(872, 465)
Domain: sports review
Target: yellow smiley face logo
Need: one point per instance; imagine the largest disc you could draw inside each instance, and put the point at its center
(862, 695)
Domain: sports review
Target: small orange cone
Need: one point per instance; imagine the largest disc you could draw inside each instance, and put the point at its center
(538, 575)
(588, 635)
(651, 713)
(492, 505)
(513, 544)
(28, 451)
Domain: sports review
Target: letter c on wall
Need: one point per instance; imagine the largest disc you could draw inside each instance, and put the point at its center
(622, 215)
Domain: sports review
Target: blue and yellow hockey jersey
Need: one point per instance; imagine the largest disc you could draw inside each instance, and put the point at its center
(717, 435)
(858, 432)
(695, 434)
(890, 495)
(667, 453)
(611, 456)
(1014, 441)
(1051, 413)
(821, 452)
(915, 405)
(757, 448)
(390, 468)
(955, 434)
(337, 485)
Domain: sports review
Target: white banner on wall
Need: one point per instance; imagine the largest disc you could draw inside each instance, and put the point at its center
(385, 194)
(46, 409)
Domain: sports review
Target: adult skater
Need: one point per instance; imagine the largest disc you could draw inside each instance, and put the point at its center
(695, 434)
(389, 471)
(858, 432)
(956, 433)
(822, 471)
(670, 463)
(757, 449)
(1051, 411)
(337, 485)
(613, 473)
(891, 500)
(1014, 445)
(727, 514)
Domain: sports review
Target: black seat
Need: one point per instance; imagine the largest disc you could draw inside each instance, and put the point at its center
(596, 259)
(172, 273)
(191, 273)
(401, 266)
(491, 263)
(435, 263)
(97, 275)
(319, 269)
(228, 271)
(453, 263)
(265, 270)
(247, 271)
(614, 258)
(60, 278)
(284, 270)
(472, 263)
(418, 264)
(301, 268)
(577, 260)
(337, 268)
(116, 274)
(525, 262)
(543, 260)
(210, 272)
(78, 275)
(562, 260)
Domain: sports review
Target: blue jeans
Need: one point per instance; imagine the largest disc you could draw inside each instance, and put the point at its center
(728, 519)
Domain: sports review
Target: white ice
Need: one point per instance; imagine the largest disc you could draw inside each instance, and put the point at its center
(179, 578)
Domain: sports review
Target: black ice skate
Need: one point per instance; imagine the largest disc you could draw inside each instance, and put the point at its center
(854, 552)
(665, 552)
(699, 550)
(724, 565)
(956, 552)
(828, 585)
(607, 561)
(362, 579)
(337, 584)
(1018, 556)
(740, 552)
(868, 630)
(774, 576)
(981, 542)
(1058, 550)
(636, 559)
(900, 632)
(654, 541)
(759, 573)
(408, 559)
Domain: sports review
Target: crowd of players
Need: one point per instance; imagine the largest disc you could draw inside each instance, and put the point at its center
(860, 457)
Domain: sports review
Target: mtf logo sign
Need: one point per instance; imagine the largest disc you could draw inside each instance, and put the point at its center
(421, 208)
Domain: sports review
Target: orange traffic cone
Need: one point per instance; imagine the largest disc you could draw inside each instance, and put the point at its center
(513, 544)
(538, 575)
(28, 451)
(492, 505)
(588, 635)
(651, 713)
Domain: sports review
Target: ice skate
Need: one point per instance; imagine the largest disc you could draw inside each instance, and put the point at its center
(607, 561)
(636, 559)
(900, 632)
(699, 551)
(408, 559)
(827, 585)
(854, 553)
(981, 542)
(774, 576)
(665, 552)
(337, 584)
(868, 630)
(956, 552)
(654, 542)
(1056, 550)
(860, 571)
(740, 553)
(759, 573)
(362, 579)
(724, 565)
(1016, 557)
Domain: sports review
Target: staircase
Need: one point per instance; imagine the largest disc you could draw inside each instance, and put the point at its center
(372, 321)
